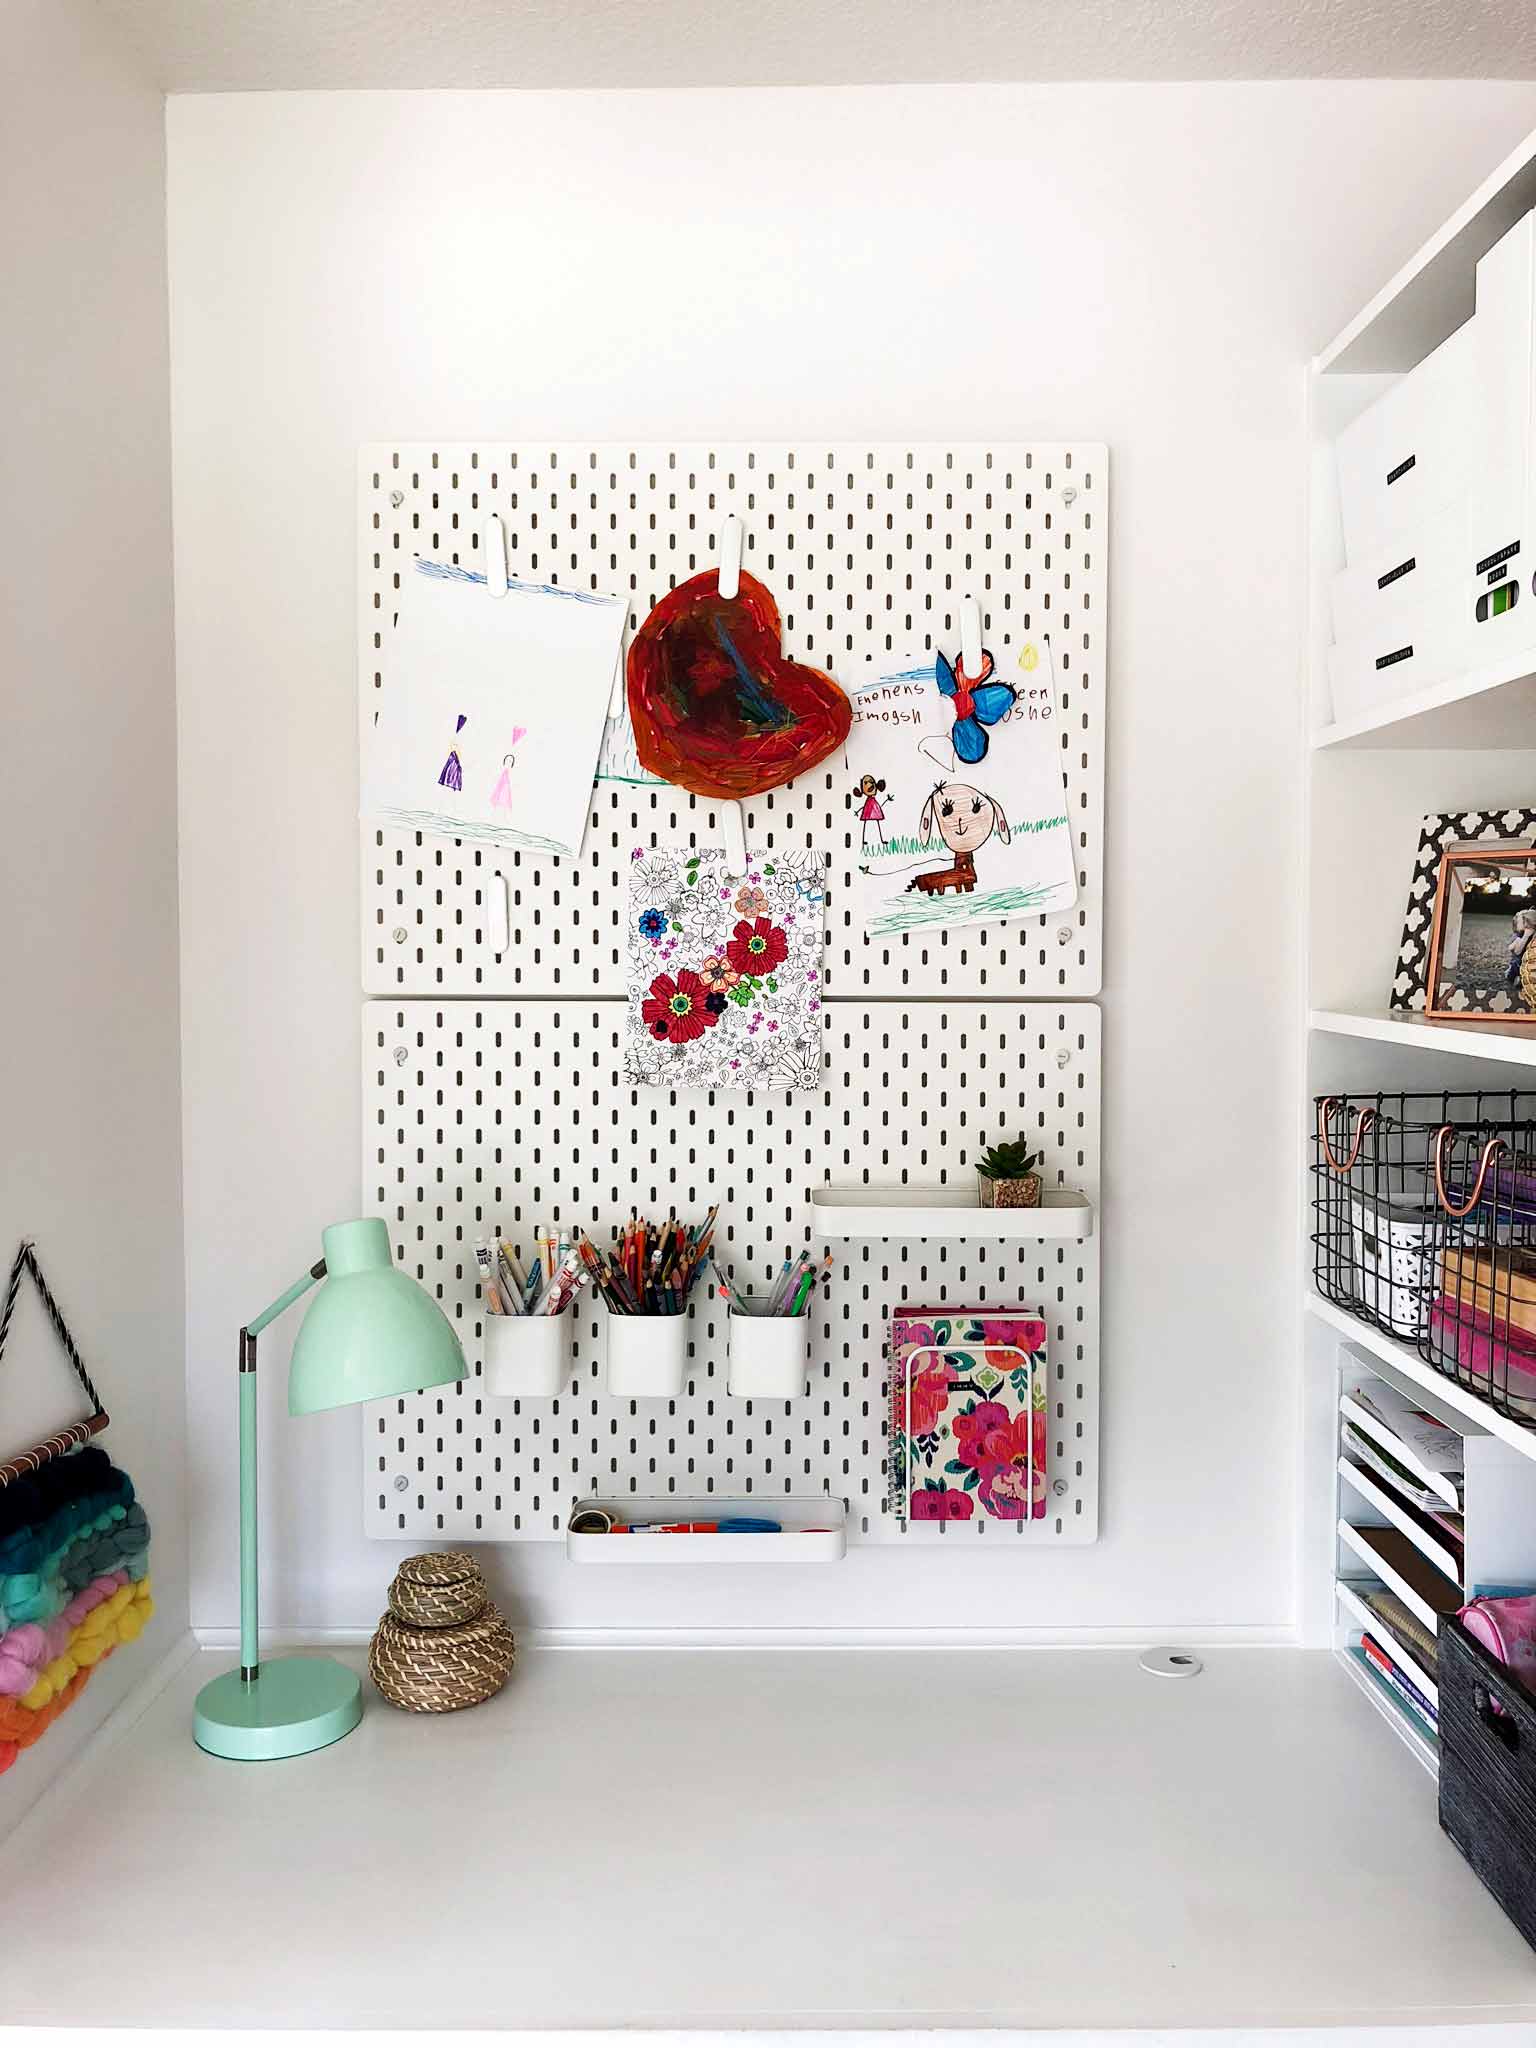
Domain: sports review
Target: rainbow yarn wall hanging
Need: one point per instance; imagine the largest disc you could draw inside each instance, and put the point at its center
(74, 1557)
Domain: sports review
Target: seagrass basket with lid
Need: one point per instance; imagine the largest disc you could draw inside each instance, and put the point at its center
(442, 1645)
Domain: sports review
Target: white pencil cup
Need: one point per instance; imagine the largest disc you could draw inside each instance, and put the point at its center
(770, 1355)
(647, 1356)
(527, 1357)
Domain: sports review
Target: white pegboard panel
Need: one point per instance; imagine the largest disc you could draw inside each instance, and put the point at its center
(868, 550)
(502, 1115)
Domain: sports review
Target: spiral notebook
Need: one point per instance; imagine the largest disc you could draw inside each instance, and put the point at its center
(968, 1423)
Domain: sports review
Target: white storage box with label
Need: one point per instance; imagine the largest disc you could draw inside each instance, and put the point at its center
(1437, 492)
(1398, 658)
(1500, 534)
(1393, 587)
(1412, 452)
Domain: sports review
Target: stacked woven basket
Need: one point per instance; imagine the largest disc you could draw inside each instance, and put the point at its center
(442, 1644)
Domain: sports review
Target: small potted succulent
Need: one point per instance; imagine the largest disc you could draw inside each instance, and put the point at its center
(1007, 1177)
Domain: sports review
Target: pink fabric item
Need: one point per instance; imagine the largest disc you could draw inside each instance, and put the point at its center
(1506, 1628)
(32, 1645)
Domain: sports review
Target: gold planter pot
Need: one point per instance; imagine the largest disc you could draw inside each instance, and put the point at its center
(1022, 1193)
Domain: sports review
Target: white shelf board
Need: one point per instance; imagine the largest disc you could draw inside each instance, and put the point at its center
(813, 1530)
(1440, 1555)
(1476, 1041)
(1490, 707)
(1406, 1362)
(945, 1212)
(1396, 1717)
(1433, 294)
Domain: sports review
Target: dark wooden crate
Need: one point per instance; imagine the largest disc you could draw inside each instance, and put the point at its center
(1488, 1771)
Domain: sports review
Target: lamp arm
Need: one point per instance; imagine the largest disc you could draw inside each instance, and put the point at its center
(249, 1621)
(286, 1299)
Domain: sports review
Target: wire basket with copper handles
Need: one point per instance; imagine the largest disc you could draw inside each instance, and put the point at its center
(1376, 1218)
(1480, 1329)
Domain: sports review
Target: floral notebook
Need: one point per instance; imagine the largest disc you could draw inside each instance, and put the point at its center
(968, 1427)
(724, 971)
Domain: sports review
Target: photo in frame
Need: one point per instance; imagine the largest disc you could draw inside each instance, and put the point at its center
(1484, 831)
(1482, 962)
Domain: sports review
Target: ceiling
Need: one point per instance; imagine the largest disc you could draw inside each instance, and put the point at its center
(276, 45)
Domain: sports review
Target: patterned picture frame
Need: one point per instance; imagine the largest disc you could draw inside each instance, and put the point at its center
(1437, 832)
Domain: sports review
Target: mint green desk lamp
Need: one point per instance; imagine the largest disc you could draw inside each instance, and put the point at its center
(371, 1333)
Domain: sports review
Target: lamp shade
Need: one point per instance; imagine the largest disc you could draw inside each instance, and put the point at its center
(371, 1332)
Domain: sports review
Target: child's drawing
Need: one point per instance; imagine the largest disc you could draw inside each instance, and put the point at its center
(966, 819)
(871, 811)
(522, 684)
(955, 851)
(452, 776)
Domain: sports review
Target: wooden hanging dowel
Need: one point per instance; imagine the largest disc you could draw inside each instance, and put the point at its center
(78, 1433)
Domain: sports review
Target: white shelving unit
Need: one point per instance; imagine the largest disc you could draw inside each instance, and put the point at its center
(1466, 743)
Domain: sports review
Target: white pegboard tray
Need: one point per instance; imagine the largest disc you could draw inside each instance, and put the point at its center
(868, 550)
(945, 1212)
(490, 1117)
(813, 1530)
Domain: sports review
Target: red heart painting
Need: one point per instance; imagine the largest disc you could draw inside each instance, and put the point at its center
(715, 706)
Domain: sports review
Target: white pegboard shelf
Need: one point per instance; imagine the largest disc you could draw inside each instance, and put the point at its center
(868, 550)
(813, 1531)
(492, 1116)
(945, 1212)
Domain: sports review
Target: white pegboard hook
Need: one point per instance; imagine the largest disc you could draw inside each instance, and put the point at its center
(733, 828)
(732, 535)
(493, 545)
(970, 639)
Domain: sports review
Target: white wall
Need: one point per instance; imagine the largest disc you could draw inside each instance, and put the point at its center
(1146, 265)
(89, 1115)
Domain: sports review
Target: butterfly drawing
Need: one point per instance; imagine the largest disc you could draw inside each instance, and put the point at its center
(977, 705)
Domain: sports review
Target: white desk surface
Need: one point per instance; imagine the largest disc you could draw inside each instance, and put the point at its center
(809, 1839)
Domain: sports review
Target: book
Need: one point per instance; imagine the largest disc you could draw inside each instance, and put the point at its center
(968, 1426)
(1403, 1623)
(1386, 1669)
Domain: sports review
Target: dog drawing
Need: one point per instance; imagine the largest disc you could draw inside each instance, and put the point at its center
(966, 819)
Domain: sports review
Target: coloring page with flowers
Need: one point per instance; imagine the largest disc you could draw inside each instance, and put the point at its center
(968, 1423)
(724, 972)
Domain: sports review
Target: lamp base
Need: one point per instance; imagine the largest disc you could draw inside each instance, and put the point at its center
(291, 1706)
